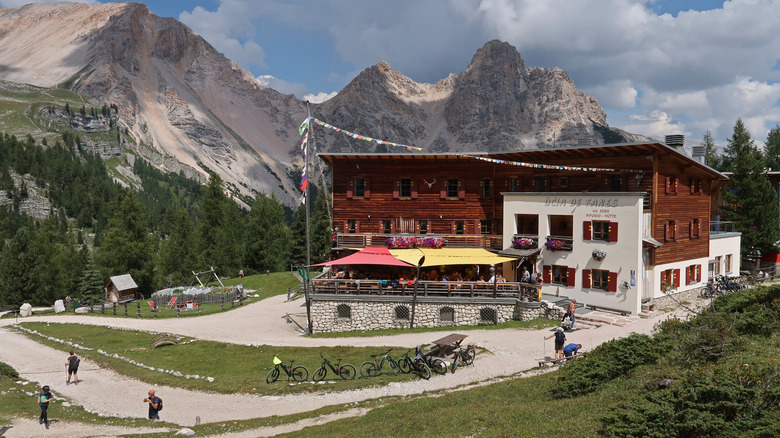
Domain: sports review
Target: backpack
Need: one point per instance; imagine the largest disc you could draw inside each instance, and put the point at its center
(159, 404)
(560, 337)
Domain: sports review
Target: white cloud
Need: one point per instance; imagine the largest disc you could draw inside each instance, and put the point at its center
(319, 97)
(616, 94)
(656, 124)
(282, 86)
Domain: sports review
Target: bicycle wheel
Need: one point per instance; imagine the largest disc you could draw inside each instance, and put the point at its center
(455, 363)
(422, 369)
(300, 374)
(368, 370)
(706, 291)
(347, 372)
(393, 366)
(404, 364)
(320, 374)
(438, 366)
(272, 375)
(469, 357)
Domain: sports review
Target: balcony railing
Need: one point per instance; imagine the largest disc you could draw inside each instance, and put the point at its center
(568, 243)
(722, 227)
(362, 240)
(462, 289)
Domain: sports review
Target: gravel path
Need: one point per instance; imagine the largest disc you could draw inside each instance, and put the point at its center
(511, 351)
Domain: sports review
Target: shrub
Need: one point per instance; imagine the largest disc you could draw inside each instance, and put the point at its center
(8, 371)
(608, 361)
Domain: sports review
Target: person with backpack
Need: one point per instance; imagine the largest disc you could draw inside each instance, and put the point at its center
(560, 339)
(73, 367)
(155, 405)
(44, 397)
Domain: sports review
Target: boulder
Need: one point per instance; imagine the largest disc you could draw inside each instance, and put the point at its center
(25, 310)
(59, 306)
(82, 310)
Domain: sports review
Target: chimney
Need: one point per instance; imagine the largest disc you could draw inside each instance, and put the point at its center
(698, 153)
(676, 142)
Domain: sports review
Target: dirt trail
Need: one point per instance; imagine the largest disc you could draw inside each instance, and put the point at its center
(511, 351)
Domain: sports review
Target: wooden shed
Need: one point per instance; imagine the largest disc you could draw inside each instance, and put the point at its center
(120, 288)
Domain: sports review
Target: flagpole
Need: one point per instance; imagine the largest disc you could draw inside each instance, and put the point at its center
(307, 206)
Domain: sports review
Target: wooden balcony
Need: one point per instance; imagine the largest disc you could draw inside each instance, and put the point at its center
(362, 240)
(460, 289)
(568, 242)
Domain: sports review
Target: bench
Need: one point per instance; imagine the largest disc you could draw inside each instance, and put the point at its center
(447, 344)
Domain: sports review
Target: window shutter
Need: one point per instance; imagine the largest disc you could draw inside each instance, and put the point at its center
(666, 231)
(570, 273)
(693, 186)
(414, 189)
(586, 278)
(461, 189)
(547, 273)
(357, 226)
(477, 226)
(676, 278)
(612, 282)
(674, 224)
(698, 273)
(700, 184)
(586, 230)
(676, 186)
(453, 227)
(349, 188)
(367, 189)
(346, 227)
(663, 277)
(396, 188)
(690, 228)
(443, 188)
(481, 189)
(613, 231)
(688, 275)
(668, 186)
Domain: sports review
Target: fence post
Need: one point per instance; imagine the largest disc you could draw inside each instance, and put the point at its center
(155, 310)
(103, 308)
(223, 302)
(199, 307)
(114, 304)
(288, 293)
(178, 312)
(125, 309)
(139, 308)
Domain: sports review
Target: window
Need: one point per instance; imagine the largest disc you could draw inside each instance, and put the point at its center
(514, 184)
(670, 279)
(672, 185)
(485, 226)
(564, 182)
(452, 188)
(459, 227)
(692, 274)
(447, 314)
(717, 265)
(487, 188)
(727, 263)
(696, 186)
(600, 279)
(541, 184)
(359, 188)
(351, 226)
(343, 311)
(670, 231)
(387, 226)
(695, 228)
(406, 187)
(487, 315)
(559, 274)
(423, 227)
(616, 183)
(601, 230)
(401, 312)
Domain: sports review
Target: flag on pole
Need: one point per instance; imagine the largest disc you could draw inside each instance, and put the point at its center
(304, 126)
(304, 181)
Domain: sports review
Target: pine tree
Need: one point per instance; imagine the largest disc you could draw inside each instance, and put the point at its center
(268, 238)
(19, 270)
(177, 253)
(772, 149)
(751, 200)
(221, 231)
(90, 287)
(321, 231)
(711, 157)
(298, 229)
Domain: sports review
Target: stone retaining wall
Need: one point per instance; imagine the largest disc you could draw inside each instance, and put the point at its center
(339, 314)
(672, 299)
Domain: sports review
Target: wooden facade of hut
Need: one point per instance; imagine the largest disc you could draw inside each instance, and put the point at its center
(120, 288)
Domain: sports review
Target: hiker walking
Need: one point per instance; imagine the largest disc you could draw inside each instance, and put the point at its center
(73, 367)
(560, 338)
(155, 405)
(44, 398)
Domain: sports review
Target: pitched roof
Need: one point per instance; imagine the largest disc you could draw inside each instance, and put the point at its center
(123, 282)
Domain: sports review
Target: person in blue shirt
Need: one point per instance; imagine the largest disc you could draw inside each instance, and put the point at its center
(571, 350)
(43, 401)
(154, 405)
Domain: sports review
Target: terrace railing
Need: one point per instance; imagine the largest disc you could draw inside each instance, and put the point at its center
(462, 289)
(362, 240)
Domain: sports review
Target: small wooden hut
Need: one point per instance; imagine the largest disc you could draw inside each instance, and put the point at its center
(120, 288)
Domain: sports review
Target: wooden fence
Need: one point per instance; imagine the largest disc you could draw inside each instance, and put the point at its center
(157, 306)
(463, 289)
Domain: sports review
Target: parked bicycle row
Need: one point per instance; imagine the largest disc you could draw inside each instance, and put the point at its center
(721, 285)
(412, 361)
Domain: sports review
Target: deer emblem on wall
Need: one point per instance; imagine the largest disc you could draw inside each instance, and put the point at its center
(430, 184)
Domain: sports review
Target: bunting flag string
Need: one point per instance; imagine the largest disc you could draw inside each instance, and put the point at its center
(305, 125)
(552, 166)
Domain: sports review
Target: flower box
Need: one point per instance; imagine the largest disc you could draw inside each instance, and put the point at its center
(415, 242)
(554, 245)
(523, 242)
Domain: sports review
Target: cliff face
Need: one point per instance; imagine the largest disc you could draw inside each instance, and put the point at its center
(189, 108)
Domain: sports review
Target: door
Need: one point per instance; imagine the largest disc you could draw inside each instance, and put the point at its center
(406, 226)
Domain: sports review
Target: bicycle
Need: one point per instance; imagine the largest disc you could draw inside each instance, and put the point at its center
(299, 373)
(436, 365)
(463, 357)
(418, 364)
(371, 368)
(346, 371)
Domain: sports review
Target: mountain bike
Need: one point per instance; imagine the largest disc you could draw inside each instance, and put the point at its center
(436, 365)
(299, 373)
(463, 357)
(346, 371)
(418, 364)
(371, 368)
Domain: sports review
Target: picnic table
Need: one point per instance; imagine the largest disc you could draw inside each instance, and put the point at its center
(448, 343)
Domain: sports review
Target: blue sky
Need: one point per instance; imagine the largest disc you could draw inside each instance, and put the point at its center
(657, 67)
